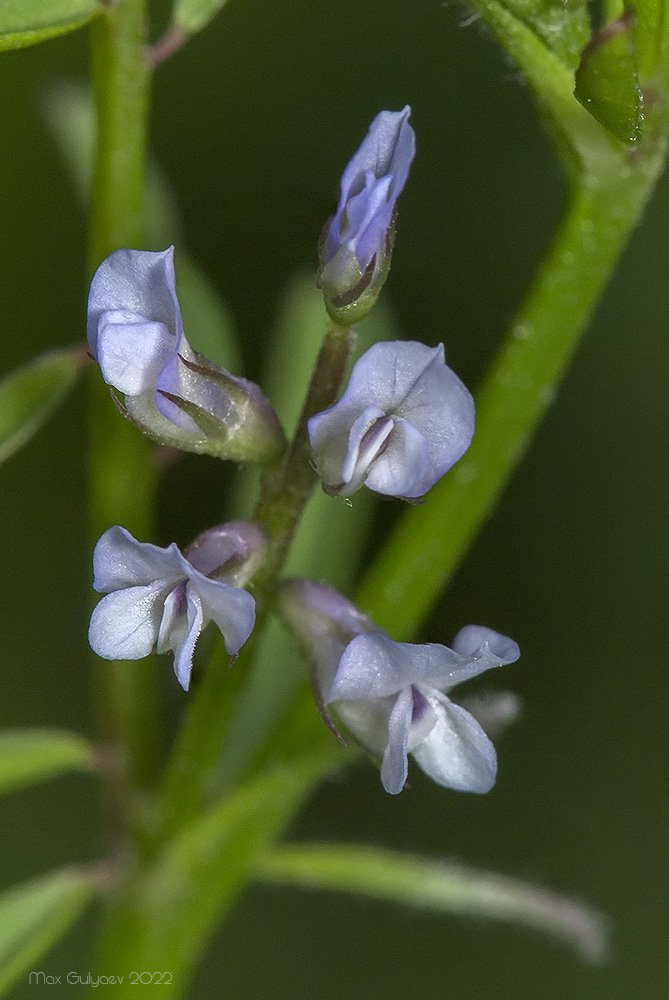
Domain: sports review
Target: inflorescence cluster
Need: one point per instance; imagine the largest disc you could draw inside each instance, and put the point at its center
(403, 421)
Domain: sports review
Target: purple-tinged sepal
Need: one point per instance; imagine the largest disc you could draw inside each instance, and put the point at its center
(232, 552)
(160, 598)
(174, 395)
(403, 421)
(357, 242)
(324, 623)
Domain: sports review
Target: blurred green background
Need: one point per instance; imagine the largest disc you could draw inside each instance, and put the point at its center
(253, 122)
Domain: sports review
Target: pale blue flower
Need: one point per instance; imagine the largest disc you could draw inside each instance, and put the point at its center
(403, 421)
(159, 597)
(357, 242)
(393, 696)
(170, 392)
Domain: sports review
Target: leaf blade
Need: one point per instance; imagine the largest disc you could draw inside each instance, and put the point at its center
(31, 755)
(34, 916)
(607, 83)
(31, 393)
(27, 22)
(447, 887)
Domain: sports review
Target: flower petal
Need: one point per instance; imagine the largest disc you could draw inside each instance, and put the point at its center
(481, 649)
(121, 561)
(367, 218)
(173, 624)
(183, 652)
(457, 753)
(389, 372)
(373, 666)
(132, 350)
(335, 436)
(386, 152)
(125, 624)
(472, 638)
(402, 469)
(432, 410)
(139, 281)
(232, 609)
(394, 767)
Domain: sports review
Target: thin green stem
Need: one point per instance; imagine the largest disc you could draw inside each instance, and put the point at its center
(285, 492)
(121, 76)
(417, 560)
(122, 477)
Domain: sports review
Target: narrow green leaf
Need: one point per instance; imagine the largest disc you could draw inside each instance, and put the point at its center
(607, 82)
(448, 887)
(192, 15)
(31, 755)
(563, 25)
(35, 915)
(202, 869)
(648, 34)
(30, 394)
(26, 22)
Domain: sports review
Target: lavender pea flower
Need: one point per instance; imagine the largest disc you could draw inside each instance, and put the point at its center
(174, 395)
(393, 696)
(159, 597)
(357, 242)
(403, 421)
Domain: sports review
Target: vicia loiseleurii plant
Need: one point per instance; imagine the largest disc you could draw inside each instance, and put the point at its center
(198, 796)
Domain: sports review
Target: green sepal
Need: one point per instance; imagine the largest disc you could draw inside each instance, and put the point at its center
(29, 395)
(607, 81)
(348, 292)
(31, 755)
(26, 22)
(34, 916)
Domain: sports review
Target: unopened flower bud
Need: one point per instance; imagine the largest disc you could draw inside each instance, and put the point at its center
(357, 243)
(232, 552)
(174, 395)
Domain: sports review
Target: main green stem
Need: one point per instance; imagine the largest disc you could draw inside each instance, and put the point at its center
(410, 572)
(285, 492)
(122, 477)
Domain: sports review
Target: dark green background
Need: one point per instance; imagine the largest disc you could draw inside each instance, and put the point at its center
(253, 123)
